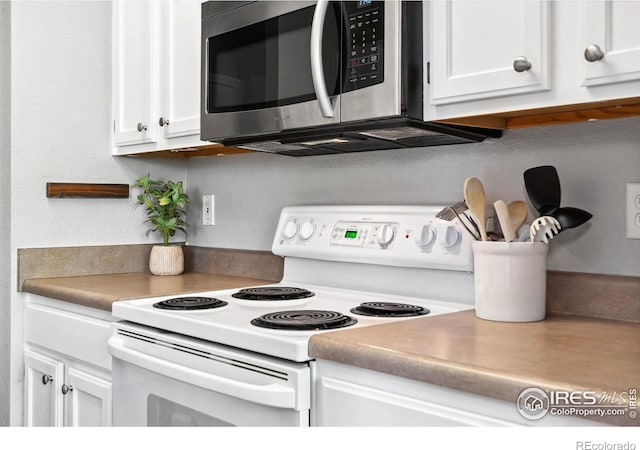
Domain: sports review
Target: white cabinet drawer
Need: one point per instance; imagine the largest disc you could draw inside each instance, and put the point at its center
(73, 335)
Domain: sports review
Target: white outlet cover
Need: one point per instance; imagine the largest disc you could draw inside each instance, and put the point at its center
(208, 205)
(633, 210)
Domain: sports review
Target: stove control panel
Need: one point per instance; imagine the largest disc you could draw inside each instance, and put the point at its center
(363, 234)
(406, 236)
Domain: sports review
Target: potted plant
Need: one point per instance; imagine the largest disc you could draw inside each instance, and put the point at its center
(165, 203)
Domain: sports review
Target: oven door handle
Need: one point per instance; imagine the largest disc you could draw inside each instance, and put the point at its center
(317, 68)
(274, 394)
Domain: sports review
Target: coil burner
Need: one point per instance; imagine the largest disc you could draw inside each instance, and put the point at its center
(190, 303)
(304, 320)
(272, 293)
(388, 309)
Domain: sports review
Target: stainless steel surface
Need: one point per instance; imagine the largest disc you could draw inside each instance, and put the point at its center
(317, 68)
(382, 116)
(449, 212)
(593, 53)
(141, 127)
(46, 379)
(262, 121)
(162, 122)
(521, 64)
(384, 99)
(66, 389)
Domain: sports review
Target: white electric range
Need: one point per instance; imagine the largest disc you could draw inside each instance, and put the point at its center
(240, 356)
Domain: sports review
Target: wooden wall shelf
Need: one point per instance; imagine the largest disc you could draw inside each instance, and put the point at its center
(87, 190)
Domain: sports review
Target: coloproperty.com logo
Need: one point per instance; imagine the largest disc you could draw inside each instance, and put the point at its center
(534, 403)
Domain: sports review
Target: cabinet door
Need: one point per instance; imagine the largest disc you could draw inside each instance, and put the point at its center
(181, 68)
(43, 380)
(344, 403)
(475, 46)
(88, 400)
(612, 28)
(135, 69)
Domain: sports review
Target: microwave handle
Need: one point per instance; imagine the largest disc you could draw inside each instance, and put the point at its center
(317, 69)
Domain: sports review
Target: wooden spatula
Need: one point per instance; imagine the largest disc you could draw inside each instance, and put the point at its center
(476, 201)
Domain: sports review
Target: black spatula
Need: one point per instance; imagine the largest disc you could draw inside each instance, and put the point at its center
(543, 187)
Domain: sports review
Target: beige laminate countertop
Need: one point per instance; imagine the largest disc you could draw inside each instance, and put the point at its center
(496, 359)
(100, 291)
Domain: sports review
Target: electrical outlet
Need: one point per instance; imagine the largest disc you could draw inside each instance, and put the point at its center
(208, 204)
(633, 210)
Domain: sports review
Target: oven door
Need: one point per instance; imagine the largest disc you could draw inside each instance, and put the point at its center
(269, 66)
(162, 379)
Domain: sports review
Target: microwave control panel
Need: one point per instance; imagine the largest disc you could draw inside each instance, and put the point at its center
(365, 24)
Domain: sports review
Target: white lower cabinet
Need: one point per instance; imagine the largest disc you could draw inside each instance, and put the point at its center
(67, 368)
(351, 396)
(57, 395)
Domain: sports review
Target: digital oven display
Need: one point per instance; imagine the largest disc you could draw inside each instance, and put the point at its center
(351, 234)
(362, 3)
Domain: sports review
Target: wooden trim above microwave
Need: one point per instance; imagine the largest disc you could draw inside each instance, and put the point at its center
(555, 115)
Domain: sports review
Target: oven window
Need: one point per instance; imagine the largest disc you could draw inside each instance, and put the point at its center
(165, 413)
(268, 64)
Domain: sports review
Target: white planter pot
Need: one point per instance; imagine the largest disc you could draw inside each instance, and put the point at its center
(166, 260)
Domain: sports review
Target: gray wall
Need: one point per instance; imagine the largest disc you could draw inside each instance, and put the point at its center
(594, 161)
(61, 131)
(5, 206)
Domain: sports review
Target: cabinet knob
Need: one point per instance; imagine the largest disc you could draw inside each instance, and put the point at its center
(46, 379)
(521, 64)
(141, 127)
(163, 122)
(66, 389)
(593, 53)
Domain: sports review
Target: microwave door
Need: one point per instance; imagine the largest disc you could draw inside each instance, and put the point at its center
(257, 74)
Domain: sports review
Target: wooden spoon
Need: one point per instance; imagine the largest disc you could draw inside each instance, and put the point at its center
(476, 201)
(518, 212)
(505, 220)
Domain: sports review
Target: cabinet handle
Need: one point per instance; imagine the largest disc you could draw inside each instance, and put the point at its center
(163, 122)
(593, 53)
(521, 64)
(141, 127)
(46, 379)
(66, 389)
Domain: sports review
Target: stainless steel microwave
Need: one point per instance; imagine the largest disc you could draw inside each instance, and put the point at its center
(303, 78)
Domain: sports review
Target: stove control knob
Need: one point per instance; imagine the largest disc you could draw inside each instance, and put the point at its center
(290, 230)
(307, 230)
(427, 236)
(450, 238)
(386, 234)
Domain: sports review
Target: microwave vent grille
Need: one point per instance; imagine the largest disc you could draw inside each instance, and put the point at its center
(395, 134)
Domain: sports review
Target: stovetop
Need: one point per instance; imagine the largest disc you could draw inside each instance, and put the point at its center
(344, 261)
(232, 325)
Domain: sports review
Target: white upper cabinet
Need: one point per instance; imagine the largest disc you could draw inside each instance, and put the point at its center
(490, 57)
(611, 42)
(156, 75)
(135, 65)
(485, 49)
(181, 72)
